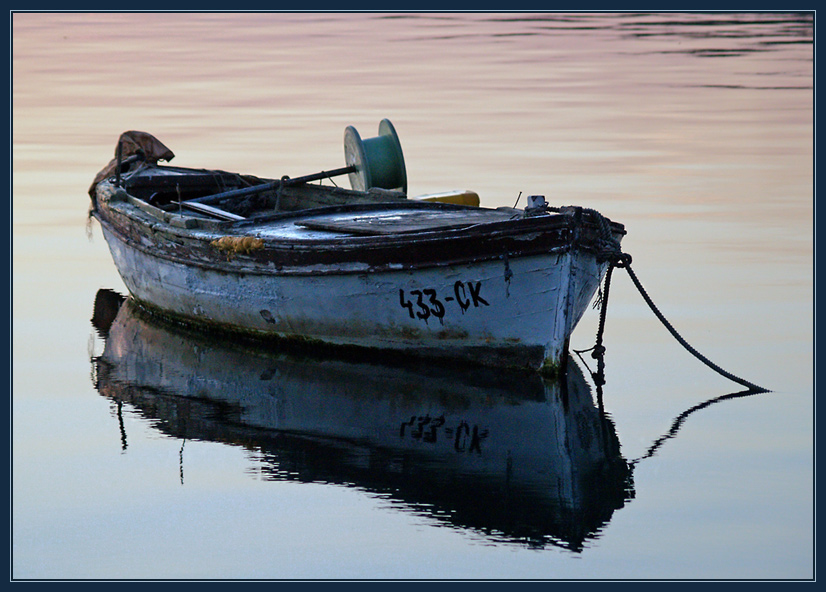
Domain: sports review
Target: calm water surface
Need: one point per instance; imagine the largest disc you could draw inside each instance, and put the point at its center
(142, 452)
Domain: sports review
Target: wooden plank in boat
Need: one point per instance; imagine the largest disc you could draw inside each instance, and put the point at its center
(413, 221)
(211, 211)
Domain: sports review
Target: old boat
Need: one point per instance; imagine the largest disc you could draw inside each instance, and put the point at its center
(367, 268)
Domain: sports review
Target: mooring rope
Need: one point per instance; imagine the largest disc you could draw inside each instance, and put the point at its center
(610, 251)
(681, 418)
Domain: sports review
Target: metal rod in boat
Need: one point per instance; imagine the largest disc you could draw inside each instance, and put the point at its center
(119, 156)
(274, 184)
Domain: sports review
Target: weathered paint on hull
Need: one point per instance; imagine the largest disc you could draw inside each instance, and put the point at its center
(517, 312)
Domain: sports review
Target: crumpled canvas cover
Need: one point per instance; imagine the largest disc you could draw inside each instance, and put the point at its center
(131, 143)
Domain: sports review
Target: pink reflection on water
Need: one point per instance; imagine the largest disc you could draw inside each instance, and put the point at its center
(668, 113)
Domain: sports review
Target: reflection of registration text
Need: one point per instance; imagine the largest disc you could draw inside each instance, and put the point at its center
(430, 429)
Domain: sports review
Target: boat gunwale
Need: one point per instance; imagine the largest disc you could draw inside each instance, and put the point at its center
(219, 228)
(244, 264)
(130, 222)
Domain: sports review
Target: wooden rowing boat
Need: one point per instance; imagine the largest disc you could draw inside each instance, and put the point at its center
(366, 268)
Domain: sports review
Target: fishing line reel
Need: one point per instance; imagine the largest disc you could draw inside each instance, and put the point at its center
(378, 161)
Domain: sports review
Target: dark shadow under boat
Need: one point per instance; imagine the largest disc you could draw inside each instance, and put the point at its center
(511, 456)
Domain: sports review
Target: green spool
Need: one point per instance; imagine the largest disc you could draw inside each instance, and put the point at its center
(379, 161)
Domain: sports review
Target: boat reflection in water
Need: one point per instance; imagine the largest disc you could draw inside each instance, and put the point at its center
(514, 457)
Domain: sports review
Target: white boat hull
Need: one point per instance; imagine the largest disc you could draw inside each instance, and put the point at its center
(517, 312)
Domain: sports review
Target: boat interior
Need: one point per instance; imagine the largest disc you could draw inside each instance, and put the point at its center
(213, 196)
(210, 192)
(377, 204)
(375, 167)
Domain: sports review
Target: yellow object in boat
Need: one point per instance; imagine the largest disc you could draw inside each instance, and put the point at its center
(461, 198)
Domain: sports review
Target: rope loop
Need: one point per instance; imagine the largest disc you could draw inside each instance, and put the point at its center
(623, 261)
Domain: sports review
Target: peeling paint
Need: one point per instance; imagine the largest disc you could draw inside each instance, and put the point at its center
(238, 244)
